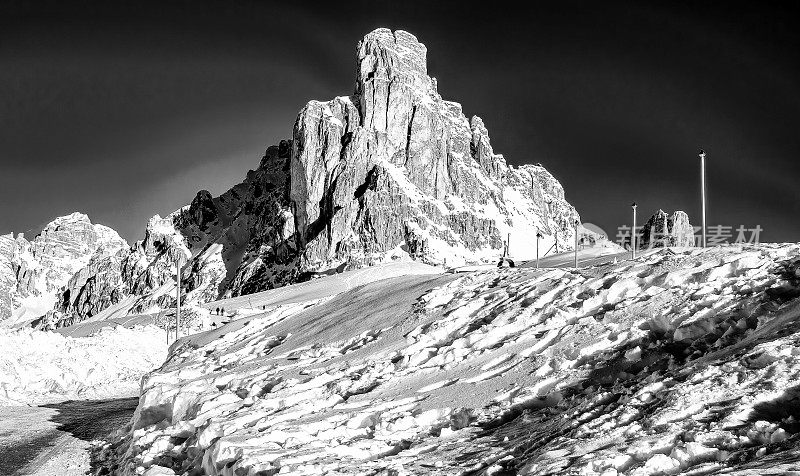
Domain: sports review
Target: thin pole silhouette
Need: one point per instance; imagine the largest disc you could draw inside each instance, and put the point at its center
(576, 243)
(538, 236)
(703, 190)
(633, 232)
(178, 295)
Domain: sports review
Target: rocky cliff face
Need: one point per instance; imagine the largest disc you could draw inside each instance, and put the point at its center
(393, 171)
(144, 274)
(8, 276)
(662, 230)
(397, 169)
(32, 273)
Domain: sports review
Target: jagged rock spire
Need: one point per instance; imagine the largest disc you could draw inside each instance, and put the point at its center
(663, 230)
(374, 171)
(392, 73)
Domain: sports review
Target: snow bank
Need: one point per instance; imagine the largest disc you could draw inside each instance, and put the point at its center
(39, 367)
(681, 360)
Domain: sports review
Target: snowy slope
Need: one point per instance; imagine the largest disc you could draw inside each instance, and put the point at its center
(325, 286)
(684, 360)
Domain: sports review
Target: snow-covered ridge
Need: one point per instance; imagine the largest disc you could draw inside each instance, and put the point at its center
(680, 360)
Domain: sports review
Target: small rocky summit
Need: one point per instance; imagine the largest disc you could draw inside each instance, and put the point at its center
(663, 230)
(391, 172)
(32, 273)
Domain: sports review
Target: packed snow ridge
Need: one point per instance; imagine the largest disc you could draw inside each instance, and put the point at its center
(43, 367)
(682, 361)
(391, 172)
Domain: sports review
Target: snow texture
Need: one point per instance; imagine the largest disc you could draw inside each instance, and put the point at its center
(40, 367)
(684, 360)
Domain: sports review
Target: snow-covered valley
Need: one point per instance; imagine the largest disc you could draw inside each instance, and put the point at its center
(682, 361)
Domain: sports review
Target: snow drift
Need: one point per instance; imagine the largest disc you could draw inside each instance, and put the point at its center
(42, 367)
(684, 360)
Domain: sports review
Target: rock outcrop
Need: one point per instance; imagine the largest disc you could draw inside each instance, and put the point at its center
(33, 273)
(395, 166)
(241, 240)
(8, 276)
(392, 171)
(662, 231)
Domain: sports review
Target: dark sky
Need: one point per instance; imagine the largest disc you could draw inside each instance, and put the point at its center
(123, 110)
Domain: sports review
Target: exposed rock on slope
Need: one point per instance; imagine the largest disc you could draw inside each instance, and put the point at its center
(245, 224)
(250, 226)
(32, 273)
(662, 231)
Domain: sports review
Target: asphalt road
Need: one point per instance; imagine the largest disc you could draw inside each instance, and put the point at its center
(54, 439)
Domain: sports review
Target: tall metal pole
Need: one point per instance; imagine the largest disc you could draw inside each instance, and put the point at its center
(633, 232)
(703, 190)
(165, 322)
(178, 293)
(576, 243)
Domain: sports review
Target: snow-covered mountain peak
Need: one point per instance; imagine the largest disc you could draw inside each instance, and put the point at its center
(34, 271)
(71, 217)
(392, 172)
